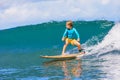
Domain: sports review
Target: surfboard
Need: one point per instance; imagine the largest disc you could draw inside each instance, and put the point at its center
(66, 56)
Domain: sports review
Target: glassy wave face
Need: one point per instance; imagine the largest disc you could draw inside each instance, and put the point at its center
(21, 47)
(48, 35)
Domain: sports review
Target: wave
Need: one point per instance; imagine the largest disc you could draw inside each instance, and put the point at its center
(110, 43)
(48, 35)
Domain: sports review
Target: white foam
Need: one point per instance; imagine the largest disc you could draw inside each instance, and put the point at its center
(110, 42)
(111, 64)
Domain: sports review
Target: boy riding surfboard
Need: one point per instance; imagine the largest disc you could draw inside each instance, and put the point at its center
(69, 37)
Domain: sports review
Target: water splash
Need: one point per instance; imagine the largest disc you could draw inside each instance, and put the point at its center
(109, 43)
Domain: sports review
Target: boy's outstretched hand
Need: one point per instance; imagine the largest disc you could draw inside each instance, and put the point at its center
(63, 39)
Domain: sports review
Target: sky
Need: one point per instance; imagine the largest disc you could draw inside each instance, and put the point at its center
(15, 13)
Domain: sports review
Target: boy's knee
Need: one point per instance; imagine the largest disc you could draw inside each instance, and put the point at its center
(78, 44)
(66, 44)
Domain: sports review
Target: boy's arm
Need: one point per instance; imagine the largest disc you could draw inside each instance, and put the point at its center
(78, 36)
(64, 35)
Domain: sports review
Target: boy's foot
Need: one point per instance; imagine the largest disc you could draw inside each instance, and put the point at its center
(63, 54)
(82, 51)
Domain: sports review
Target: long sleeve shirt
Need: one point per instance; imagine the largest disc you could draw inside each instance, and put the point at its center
(71, 33)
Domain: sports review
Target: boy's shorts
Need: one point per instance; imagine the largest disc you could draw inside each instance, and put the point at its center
(71, 41)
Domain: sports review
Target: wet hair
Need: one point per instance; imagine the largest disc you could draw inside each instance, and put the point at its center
(70, 23)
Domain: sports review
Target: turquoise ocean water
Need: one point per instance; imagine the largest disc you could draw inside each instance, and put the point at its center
(21, 47)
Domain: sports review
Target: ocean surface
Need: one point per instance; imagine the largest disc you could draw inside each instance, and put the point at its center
(21, 47)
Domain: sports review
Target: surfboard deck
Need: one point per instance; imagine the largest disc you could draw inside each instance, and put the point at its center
(66, 56)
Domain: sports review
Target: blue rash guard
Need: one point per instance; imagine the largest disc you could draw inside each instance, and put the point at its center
(71, 33)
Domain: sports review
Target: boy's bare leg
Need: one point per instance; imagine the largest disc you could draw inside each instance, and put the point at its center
(76, 43)
(64, 48)
(79, 46)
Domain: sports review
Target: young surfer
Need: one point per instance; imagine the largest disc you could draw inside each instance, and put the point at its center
(69, 37)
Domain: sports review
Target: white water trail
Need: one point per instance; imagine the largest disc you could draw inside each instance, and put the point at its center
(111, 61)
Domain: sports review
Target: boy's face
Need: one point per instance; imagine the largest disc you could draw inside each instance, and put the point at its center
(68, 26)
